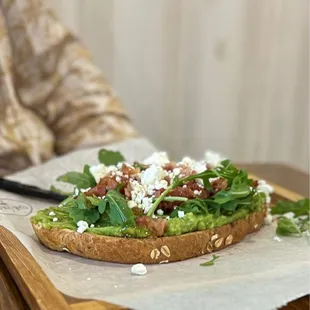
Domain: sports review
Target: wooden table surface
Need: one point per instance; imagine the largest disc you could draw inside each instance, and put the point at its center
(297, 181)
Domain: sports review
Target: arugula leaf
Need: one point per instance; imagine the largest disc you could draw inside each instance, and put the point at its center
(301, 207)
(196, 206)
(210, 262)
(109, 158)
(80, 180)
(115, 205)
(86, 171)
(90, 216)
(102, 206)
(81, 210)
(287, 227)
(95, 201)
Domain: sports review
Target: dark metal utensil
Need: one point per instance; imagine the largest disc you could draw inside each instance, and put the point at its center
(29, 190)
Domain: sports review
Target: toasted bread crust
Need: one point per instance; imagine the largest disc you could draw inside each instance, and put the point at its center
(148, 250)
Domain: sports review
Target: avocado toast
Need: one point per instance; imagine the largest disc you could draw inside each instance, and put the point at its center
(157, 211)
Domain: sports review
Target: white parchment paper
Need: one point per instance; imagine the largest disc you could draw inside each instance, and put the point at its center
(259, 273)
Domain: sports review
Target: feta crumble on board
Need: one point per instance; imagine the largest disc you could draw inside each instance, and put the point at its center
(55, 219)
(82, 226)
(139, 269)
(52, 213)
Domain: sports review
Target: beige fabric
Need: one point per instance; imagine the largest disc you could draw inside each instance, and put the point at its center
(52, 97)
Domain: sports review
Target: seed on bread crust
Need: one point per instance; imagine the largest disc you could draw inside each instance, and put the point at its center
(165, 251)
(154, 254)
(218, 242)
(229, 240)
(210, 247)
(214, 237)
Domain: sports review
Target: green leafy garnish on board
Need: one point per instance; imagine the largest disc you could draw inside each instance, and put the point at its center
(109, 158)
(299, 223)
(210, 262)
(287, 227)
(301, 207)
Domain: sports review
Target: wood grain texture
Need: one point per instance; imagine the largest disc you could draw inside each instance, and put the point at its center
(32, 282)
(10, 296)
(232, 74)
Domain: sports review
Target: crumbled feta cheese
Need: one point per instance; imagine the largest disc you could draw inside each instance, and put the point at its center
(55, 219)
(168, 218)
(160, 212)
(184, 186)
(82, 226)
(289, 215)
(268, 219)
(213, 179)
(200, 183)
(150, 190)
(119, 173)
(138, 191)
(92, 226)
(83, 190)
(157, 158)
(161, 184)
(213, 159)
(51, 213)
(176, 171)
(100, 171)
(88, 279)
(265, 188)
(118, 179)
(199, 166)
(197, 192)
(276, 238)
(139, 269)
(181, 214)
(147, 204)
(76, 191)
(151, 175)
(131, 204)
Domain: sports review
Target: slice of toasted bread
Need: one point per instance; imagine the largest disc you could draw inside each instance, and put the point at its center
(149, 250)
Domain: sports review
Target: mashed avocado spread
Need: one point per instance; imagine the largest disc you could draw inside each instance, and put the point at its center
(176, 226)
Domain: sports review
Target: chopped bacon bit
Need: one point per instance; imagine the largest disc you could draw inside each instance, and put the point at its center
(170, 166)
(137, 211)
(104, 185)
(129, 171)
(219, 184)
(255, 183)
(127, 190)
(157, 226)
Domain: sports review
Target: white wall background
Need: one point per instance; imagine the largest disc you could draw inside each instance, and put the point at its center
(229, 75)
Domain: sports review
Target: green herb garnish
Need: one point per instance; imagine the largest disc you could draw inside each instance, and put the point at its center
(80, 179)
(109, 158)
(225, 201)
(210, 262)
(297, 225)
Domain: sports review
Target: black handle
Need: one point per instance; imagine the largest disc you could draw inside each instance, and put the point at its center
(29, 190)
